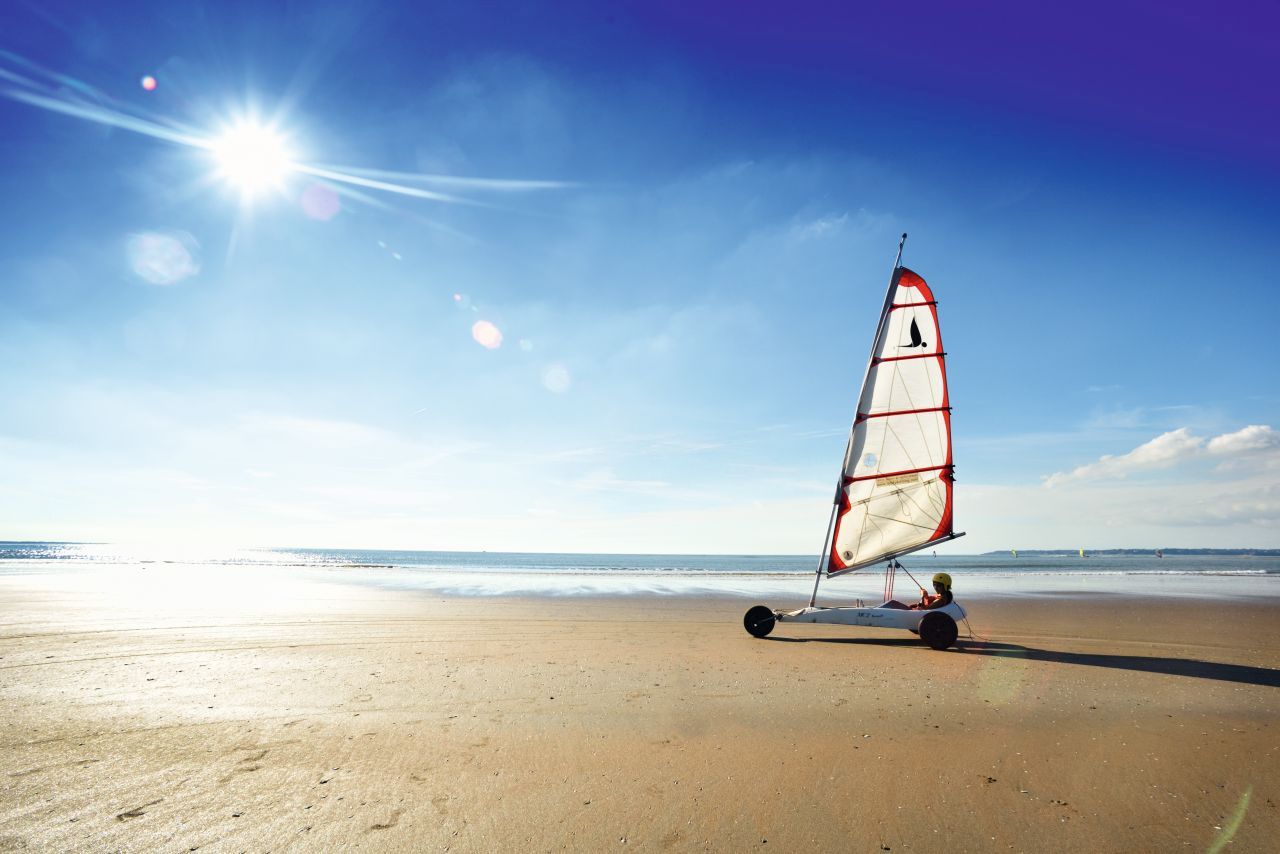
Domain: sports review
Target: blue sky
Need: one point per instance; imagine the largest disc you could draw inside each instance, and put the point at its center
(685, 295)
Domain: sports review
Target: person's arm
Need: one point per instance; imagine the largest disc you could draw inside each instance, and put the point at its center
(939, 601)
(926, 602)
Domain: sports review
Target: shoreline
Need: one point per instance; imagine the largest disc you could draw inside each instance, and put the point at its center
(970, 585)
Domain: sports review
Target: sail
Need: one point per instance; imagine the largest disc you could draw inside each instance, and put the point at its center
(896, 491)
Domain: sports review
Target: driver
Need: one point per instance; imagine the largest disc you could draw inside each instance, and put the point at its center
(942, 585)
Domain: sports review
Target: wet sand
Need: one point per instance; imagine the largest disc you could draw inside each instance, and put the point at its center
(162, 710)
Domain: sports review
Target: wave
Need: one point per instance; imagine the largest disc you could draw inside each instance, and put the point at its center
(677, 568)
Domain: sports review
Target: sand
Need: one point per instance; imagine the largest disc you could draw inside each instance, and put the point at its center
(167, 710)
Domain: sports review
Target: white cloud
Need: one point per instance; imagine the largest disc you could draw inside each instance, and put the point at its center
(1255, 437)
(1164, 451)
(1204, 513)
(604, 480)
(819, 227)
(1171, 449)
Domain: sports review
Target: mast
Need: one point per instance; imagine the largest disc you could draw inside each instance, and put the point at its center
(835, 501)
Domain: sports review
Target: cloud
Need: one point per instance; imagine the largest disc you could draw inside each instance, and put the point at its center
(820, 227)
(1255, 437)
(1254, 503)
(860, 222)
(604, 480)
(1210, 513)
(1171, 449)
(1164, 451)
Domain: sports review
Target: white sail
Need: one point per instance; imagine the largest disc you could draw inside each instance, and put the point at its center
(896, 492)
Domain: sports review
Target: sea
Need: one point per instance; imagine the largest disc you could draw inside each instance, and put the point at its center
(783, 578)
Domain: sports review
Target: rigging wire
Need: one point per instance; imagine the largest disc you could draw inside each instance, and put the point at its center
(912, 577)
(972, 634)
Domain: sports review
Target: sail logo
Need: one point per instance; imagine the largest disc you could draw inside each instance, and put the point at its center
(916, 339)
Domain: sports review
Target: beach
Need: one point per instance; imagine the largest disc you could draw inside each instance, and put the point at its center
(163, 709)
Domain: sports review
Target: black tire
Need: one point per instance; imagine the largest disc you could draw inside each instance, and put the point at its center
(759, 621)
(938, 630)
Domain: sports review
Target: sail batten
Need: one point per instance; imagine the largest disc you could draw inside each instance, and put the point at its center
(896, 489)
(894, 473)
(901, 358)
(863, 416)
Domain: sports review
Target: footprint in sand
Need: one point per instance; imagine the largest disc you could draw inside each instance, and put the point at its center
(671, 840)
(390, 823)
(240, 769)
(246, 765)
(137, 811)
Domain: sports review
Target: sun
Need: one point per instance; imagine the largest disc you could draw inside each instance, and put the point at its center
(252, 157)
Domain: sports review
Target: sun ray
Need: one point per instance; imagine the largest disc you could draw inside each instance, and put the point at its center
(515, 185)
(252, 156)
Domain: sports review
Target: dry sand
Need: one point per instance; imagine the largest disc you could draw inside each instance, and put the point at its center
(143, 713)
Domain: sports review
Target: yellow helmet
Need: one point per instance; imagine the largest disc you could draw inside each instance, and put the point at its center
(943, 579)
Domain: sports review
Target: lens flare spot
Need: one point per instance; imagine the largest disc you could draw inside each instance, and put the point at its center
(486, 334)
(148, 83)
(1001, 680)
(556, 379)
(526, 345)
(163, 258)
(320, 202)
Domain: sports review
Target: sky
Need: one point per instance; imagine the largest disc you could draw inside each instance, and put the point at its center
(603, 278)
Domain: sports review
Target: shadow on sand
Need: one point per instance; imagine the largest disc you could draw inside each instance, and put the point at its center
(1241, 673)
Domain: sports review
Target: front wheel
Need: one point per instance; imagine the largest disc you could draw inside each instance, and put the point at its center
(938, 630)
(759, 621)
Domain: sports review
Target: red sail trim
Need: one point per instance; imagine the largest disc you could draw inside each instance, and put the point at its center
(910, 279)
(865, 416)
(834, 564)
(946, 524)
(911, 304)
(944, 528)
(849, 480)
(878, 361)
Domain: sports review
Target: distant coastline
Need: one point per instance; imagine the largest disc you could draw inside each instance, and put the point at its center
(1165, 552)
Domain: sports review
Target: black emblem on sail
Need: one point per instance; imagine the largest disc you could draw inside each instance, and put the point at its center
(915, 337)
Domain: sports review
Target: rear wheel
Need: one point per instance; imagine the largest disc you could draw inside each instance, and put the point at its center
(938, 630)
(759, 621)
